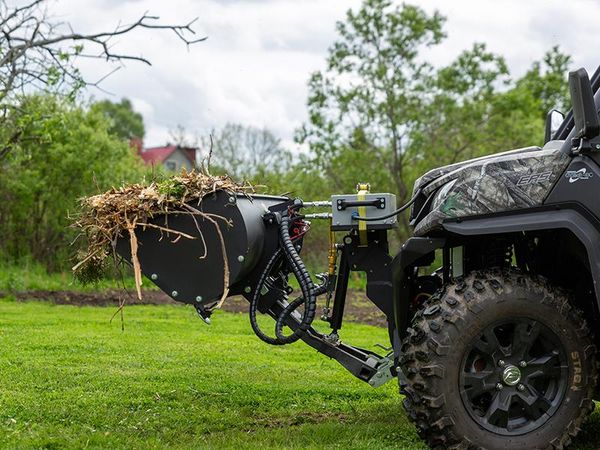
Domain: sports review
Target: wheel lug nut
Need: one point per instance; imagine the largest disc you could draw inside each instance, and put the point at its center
(520, 387)
(501, 363)
(523, 364)
(499, 386)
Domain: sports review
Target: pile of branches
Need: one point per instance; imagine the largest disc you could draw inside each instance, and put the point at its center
(117, 213)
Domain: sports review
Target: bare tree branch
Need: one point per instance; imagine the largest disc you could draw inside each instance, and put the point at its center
(38, 52)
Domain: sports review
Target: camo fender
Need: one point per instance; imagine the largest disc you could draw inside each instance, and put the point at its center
(503, 183)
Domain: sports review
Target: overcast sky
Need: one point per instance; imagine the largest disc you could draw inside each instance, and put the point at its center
(259, 54)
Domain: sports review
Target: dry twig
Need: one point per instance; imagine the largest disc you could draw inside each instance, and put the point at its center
(107, 217)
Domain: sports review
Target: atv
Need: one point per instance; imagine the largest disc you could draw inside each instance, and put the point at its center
(495, 348)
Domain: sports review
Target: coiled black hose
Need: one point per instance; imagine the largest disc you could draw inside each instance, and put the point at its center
(309, 291)
(277, 256)
(306, 286)
(292, 306)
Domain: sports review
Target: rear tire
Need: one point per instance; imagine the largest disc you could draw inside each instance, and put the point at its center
(499, 360)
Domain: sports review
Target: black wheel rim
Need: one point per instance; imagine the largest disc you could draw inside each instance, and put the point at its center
(514, 376)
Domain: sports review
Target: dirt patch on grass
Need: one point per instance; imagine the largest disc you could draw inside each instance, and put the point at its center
(109, 297)
(358, 307)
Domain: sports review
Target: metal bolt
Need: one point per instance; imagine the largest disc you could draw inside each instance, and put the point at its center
(154, 277)
(501, 363)
(174, 294)
(241, 258)
(523, 364)
(199, 298)
(247, 289)
(520, 387)
(598, 146)
(232, 199)
(499, 386)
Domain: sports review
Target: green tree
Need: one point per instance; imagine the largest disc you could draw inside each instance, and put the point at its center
(377, 92)
(500, 114)
(124, 121)
(72, 155)
(381, 113)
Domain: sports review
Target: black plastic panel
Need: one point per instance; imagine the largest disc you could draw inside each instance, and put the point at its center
(579, 183)
(564, 216)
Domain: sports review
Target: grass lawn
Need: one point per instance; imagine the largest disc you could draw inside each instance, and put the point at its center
(72, 379)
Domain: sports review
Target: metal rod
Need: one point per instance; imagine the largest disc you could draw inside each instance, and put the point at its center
(318, 216)
(317, 204)
(361, 363)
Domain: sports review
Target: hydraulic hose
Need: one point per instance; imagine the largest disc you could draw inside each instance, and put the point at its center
(291, 307)
(392, 214)
(306, 286)
(309, 291)
(256, 297)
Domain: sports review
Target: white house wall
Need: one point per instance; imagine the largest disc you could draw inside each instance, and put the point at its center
(180, 160)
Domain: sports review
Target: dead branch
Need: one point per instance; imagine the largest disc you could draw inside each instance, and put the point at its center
(37, 52)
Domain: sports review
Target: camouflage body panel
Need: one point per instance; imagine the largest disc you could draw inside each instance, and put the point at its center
(440, 171)
(504, 182)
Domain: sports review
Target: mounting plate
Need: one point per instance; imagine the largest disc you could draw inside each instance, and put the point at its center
(344, 207)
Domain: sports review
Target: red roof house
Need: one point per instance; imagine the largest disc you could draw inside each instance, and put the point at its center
(173, 157)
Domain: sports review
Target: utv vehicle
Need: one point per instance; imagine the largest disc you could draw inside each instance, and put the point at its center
(492, 350)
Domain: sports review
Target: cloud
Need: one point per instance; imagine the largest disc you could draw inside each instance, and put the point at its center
(254, 67)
